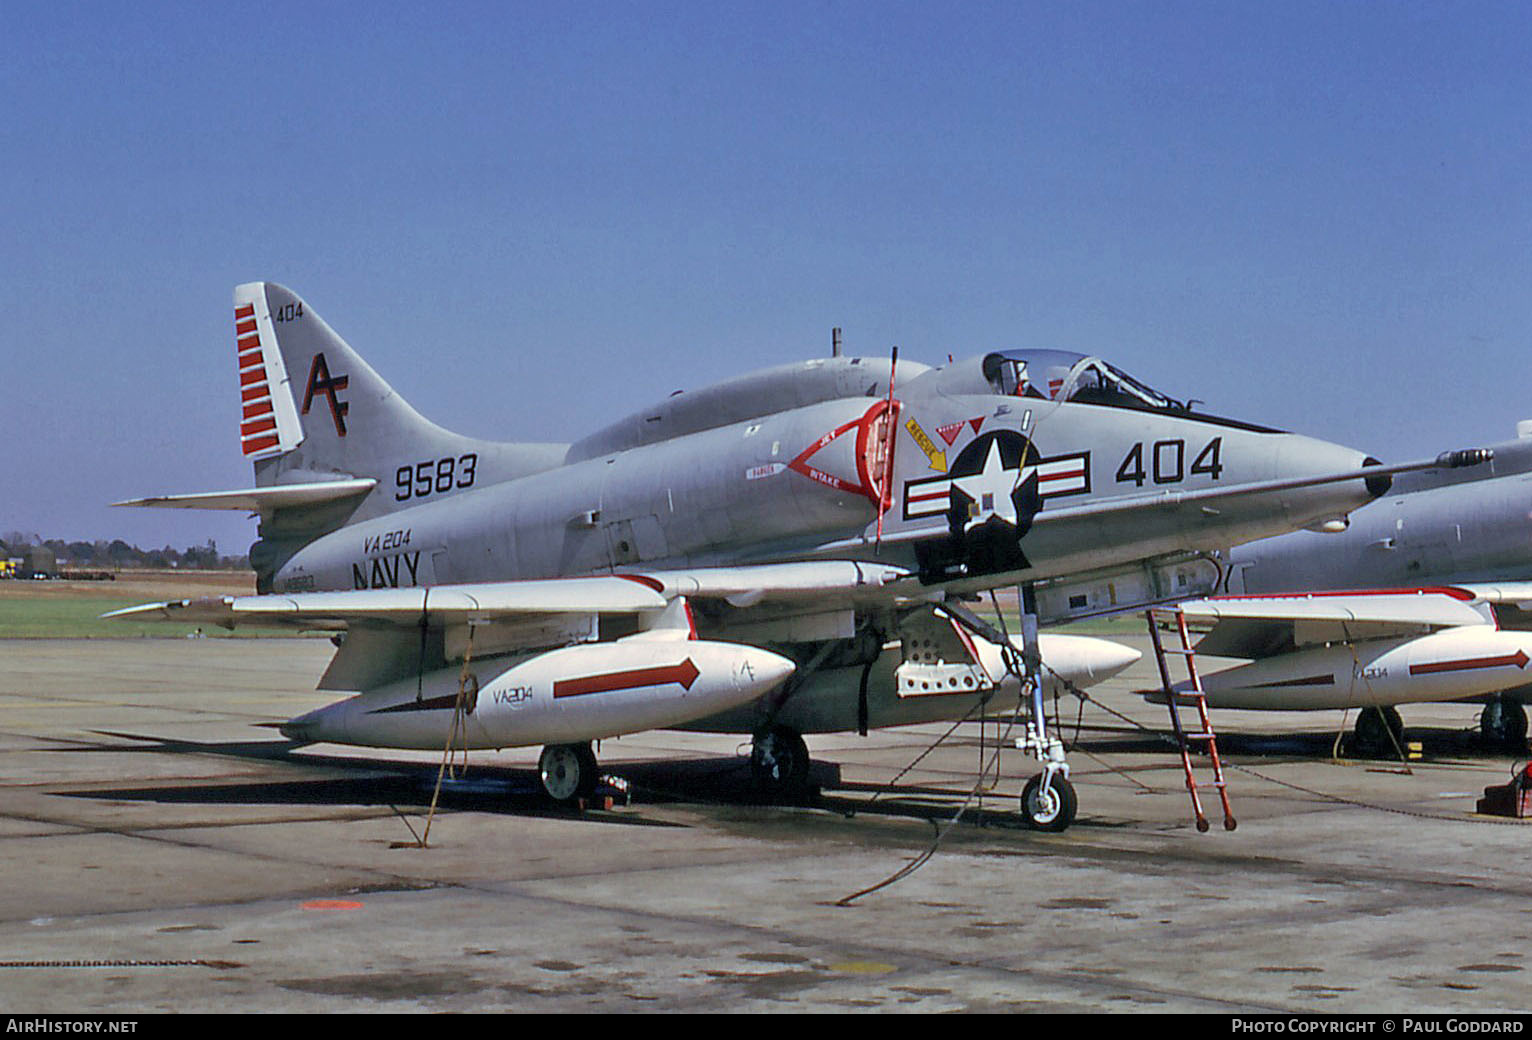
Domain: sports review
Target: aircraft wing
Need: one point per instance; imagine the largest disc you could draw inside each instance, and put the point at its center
(1504, 593)
(748, 585)
(608, 594)
(601, 594)
(1263, 626)
(384, 625)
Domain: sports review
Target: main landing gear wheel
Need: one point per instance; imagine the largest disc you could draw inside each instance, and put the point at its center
(779, 762)
(1379, 732)
(1504, 724)
(567, 771)
(1050, 810)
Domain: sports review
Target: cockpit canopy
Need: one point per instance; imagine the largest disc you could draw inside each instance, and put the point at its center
(1059, 375)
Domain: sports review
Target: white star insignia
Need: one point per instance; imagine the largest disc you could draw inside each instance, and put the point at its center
(990, 489)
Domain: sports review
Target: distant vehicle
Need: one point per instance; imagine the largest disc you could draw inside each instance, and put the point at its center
(779, 553)
(33, 561)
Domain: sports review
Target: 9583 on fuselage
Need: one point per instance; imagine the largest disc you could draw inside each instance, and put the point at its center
(811, 530)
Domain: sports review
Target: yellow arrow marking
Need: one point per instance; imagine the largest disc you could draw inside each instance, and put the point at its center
(936, 457)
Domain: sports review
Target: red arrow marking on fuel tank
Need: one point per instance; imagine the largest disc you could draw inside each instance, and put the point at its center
(1313, 680)
(684, 673)
(1519, 659)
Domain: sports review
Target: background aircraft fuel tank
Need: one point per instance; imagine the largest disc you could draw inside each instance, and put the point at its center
(1453, 664)
(579, 693)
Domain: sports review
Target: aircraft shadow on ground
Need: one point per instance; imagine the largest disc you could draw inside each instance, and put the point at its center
(481, 787)
(515, 792)
(1436, 743)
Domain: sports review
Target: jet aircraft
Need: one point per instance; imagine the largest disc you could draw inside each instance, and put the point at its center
(1469, 529)
(789, 551)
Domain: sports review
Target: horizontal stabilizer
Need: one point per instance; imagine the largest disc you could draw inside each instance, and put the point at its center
(261, 499)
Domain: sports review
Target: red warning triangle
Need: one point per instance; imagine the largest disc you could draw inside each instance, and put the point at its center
(950, 432)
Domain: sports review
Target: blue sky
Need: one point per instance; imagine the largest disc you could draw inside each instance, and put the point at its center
(532, 218)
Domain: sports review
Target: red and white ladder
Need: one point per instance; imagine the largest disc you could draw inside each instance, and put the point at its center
(1192, 696)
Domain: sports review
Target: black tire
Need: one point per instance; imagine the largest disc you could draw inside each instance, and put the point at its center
(779, 762)
(567, 772)
(1373, 729)
(1503, 723)
(1053, 814)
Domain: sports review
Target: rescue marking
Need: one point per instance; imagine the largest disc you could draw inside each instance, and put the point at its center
(934, 456)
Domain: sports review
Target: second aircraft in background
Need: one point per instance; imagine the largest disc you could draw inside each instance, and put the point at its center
(1385, 632)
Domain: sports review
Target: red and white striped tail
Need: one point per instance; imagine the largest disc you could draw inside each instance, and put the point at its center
(268, 418)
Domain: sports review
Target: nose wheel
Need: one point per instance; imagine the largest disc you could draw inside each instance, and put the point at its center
(567, 771)
(1048, 806)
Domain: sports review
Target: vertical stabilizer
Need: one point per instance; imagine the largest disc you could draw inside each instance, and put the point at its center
(312, 412)
(313, 404)
(312, 409)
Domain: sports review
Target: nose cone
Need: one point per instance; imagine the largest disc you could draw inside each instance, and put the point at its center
(1377, 486)
(761, 671)
(1302, 456)
(1303, 459)
(1085, 660)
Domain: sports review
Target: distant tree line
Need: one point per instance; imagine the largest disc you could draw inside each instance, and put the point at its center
(119, 555)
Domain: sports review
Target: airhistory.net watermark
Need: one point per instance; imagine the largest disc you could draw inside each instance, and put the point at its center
(45, 1025)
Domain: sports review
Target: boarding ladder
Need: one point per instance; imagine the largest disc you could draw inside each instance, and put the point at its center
(1202, 735)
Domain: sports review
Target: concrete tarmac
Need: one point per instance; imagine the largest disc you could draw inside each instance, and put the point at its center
(162, 851)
